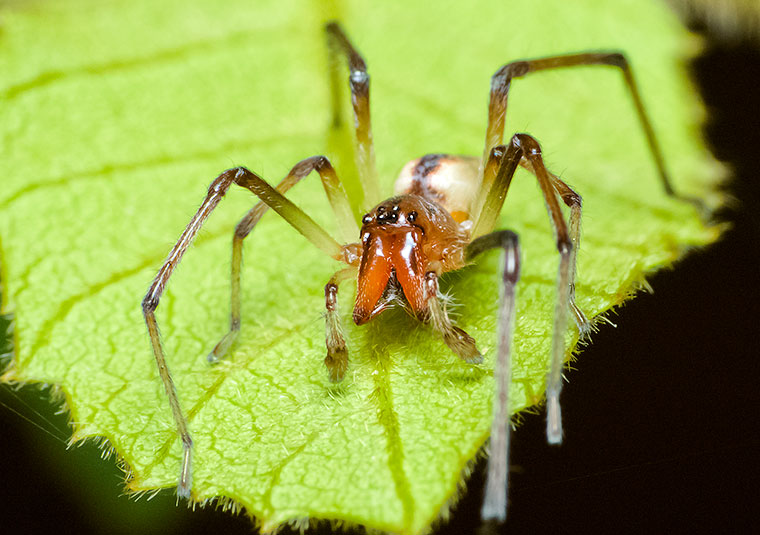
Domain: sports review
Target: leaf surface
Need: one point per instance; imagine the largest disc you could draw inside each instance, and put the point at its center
(117, 116)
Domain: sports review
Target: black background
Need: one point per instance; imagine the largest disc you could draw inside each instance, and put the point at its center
(660, 414)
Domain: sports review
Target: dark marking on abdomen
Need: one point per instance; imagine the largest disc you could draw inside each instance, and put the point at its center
(425, 166)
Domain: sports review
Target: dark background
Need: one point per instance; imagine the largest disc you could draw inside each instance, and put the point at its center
(660, 414)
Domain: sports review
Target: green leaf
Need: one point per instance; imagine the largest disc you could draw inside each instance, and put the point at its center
(117, 116)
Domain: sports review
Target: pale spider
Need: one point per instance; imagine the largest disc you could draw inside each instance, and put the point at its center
(441, 217)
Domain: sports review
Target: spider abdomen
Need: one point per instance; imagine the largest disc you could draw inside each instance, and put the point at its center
(449, 181)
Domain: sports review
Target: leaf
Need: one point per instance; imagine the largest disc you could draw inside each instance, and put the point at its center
(116, 118)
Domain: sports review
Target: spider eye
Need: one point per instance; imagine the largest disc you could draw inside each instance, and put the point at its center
(411, 216)
(386, 217)
(367, 219)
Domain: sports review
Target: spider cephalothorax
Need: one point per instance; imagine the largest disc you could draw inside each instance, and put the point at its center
(403, 239)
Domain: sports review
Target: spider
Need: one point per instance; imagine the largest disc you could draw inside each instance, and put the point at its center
(440, 219)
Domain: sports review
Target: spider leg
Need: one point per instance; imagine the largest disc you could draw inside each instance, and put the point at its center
(461, 343)
(495, 499)
(338, 43)
(216, 191)
(525, 146)
(337, 353)
(497, 107)
(573, 201)
(346, 223)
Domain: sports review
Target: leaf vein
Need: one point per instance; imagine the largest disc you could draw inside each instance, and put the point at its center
(106, 171)
(186, 51)
(67, 305)
(382, 396)
(277, 473)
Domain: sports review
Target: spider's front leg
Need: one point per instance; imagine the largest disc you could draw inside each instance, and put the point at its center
(216, 192)
(270, 198)
(338, 200)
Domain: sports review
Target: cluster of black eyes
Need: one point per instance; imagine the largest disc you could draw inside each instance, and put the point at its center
(389, 216)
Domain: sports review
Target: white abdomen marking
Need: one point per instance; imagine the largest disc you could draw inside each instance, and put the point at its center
(450, 181)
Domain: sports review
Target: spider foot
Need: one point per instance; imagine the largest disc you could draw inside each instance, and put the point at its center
(220, 350)
(585, 327)
(337, 363)
(185, 485)
(463, 345)
(553, 418)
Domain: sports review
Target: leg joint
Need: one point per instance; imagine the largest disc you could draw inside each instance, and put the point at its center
(240, 175)
(505, 239)
(498, 152)
(315, 163)
(527, 143)
(502, 77)
(331, 296)
(359, 81)
(240, 171)
(564, 245)
(321, 162)
(431, 284)
(571, 198)
(618, 60)
(242, 230)
(149, 303)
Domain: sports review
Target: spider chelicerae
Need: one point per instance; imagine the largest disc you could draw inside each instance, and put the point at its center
(441, 218)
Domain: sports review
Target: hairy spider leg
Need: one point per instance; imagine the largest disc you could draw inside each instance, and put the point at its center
(337, 352)
(338, 199)
(525, 146)
(462, 344)
(216, 191)
(497, 109)
(364, 154)
(495, 498)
